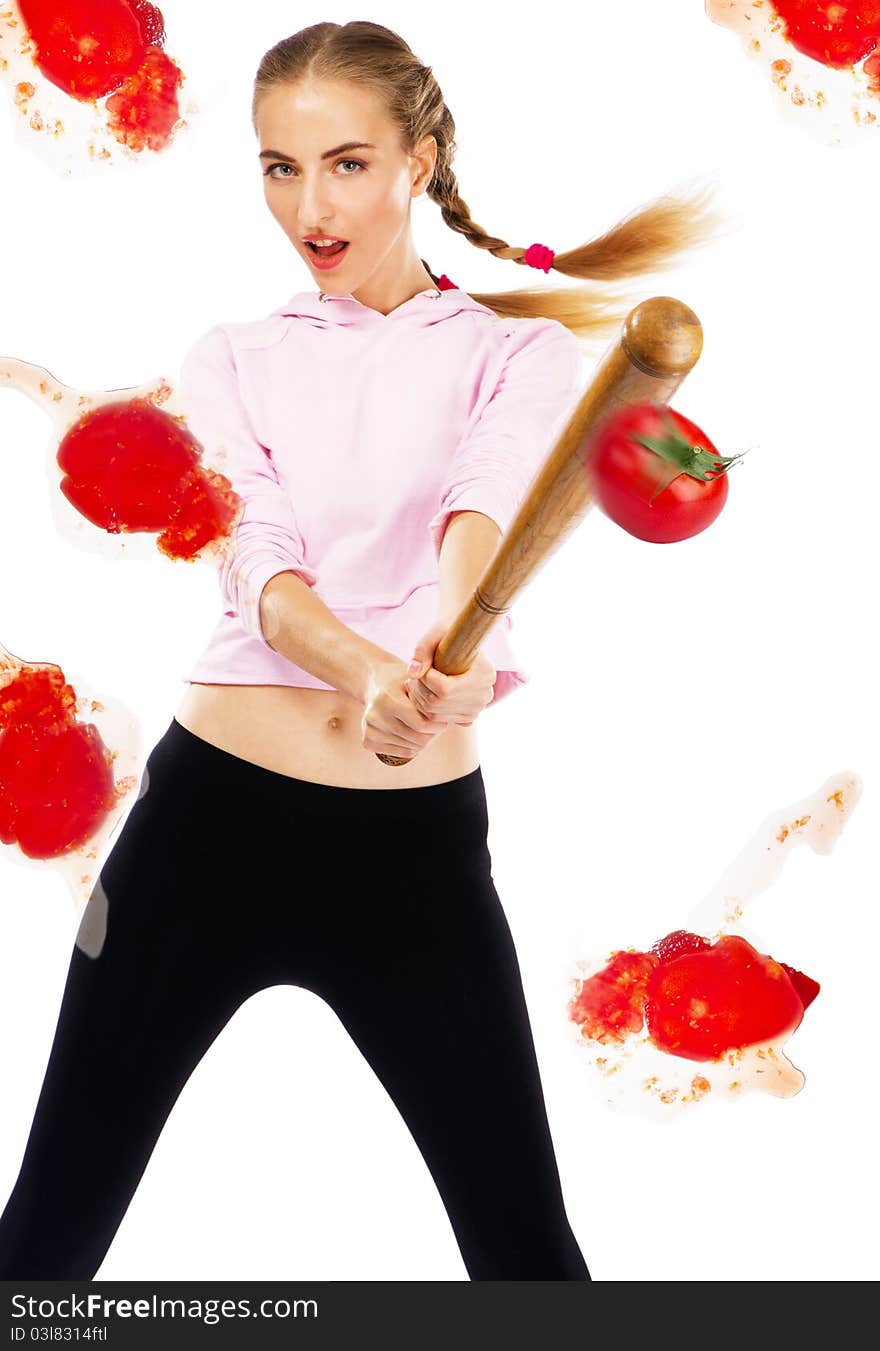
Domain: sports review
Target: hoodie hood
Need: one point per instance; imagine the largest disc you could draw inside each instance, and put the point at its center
(426, 307)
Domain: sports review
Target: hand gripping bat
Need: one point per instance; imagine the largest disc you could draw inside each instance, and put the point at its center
(659, 342)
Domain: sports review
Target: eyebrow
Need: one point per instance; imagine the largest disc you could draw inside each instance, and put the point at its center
(328, 154)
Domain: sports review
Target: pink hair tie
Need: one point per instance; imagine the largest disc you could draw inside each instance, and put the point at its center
(444, 284)
(538, 255)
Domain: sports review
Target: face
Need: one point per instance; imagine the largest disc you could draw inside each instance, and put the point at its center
(360, 194)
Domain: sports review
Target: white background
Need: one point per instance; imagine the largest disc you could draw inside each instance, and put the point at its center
(678, 694)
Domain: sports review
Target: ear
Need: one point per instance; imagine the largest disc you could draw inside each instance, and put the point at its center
(425, 155)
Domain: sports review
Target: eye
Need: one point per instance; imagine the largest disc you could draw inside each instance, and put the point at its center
(268, 172)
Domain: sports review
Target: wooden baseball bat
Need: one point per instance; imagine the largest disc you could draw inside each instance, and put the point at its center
(659, 342)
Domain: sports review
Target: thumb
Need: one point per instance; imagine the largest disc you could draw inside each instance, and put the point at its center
(422, 654)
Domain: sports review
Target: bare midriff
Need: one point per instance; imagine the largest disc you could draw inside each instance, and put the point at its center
(316, 735)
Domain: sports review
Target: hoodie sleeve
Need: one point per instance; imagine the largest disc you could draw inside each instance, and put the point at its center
(516, 429)
(266, 539)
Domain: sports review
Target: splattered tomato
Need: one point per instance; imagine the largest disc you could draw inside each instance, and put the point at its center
(611, 1003)
(725, 996)
(90, 49)
(698, 999)
(835, 34)
(56, 774)
(85, 49)
(129, 466)
(656, 473)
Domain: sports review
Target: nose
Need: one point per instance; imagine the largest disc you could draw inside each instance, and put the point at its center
(313, 214)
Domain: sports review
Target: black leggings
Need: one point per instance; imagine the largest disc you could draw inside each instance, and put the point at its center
(227, 878)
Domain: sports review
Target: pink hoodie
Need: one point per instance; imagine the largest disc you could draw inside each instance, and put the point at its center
(351, 435)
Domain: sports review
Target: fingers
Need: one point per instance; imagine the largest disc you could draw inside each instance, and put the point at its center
(435, 684)
(451, 698)
(397, 738)
(405, 725)
(430, 689)
(420, 695)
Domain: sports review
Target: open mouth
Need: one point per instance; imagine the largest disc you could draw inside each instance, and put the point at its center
(328, 251)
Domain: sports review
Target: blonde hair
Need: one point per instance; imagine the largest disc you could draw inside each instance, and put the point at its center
(371, 55)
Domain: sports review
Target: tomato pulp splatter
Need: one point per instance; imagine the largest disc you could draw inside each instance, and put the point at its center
(56, 774)
(836, 34)
(143, 112)
(90, 48)
(129, 466)
(698, 999)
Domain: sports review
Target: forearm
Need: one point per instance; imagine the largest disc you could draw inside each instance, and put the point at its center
(297, 624)
(469, 543)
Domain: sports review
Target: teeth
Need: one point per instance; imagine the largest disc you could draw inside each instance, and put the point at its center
(323, 242)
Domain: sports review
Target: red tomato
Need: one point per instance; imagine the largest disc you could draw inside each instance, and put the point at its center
(656, 473)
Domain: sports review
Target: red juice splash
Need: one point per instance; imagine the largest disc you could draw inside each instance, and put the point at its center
(129, 466)
(56, 774)
(90, 48)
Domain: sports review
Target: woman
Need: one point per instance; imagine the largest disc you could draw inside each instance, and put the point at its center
(380, 433)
